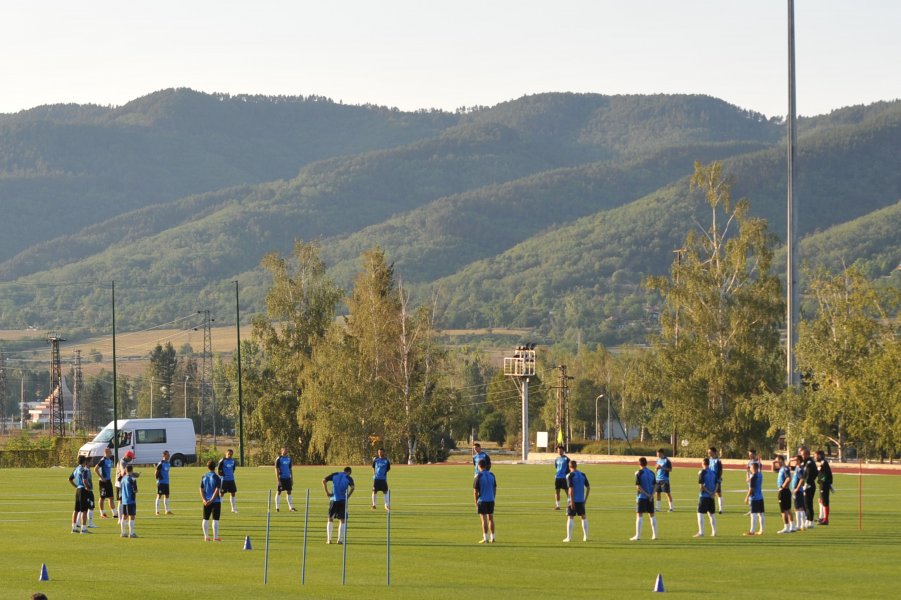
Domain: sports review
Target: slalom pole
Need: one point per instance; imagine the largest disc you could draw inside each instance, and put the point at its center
(344, 563)
(268, 521)
(388, 544)
(306, 518)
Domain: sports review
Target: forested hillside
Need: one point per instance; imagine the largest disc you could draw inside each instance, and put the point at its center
(544, 212)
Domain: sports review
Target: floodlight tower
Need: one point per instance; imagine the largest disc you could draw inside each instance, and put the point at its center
(520, 367)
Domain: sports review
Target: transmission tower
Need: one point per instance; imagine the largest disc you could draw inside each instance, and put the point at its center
(57, 403)
(564, 431)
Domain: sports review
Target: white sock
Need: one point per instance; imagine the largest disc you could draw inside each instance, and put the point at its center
(166, 503)
(569, 528)
(277, 498)
(289, 502)
(215, 528)
(557, 502)
(204, 524)
(328, 531)
(373, 499)
(123, 526)
(157, 504)
(701, 523)
(719, 500)
(712, 524)
(342, 530)
(584, 529)
(234, 502)
(760, 517)
(753, 521)
(131, 526)
(653, 526)
(639, 521)
(90, 516)
(670, 504)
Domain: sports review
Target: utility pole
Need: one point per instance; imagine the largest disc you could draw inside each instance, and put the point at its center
(520, 367)
(792, 305)
(57, 404)
(206, 373)
(564, 427)
(78, 420)
(3, 390)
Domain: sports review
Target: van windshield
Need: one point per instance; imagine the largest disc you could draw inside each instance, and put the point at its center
(105, 435)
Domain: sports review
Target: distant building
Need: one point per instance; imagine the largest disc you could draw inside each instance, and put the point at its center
(40, 412)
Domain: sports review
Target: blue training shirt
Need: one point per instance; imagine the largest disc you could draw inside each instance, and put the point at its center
(163, 469)
(227, 469)
(341, 481)
(209, 483)
(477, 458)
(106, 465)
(129, 490)
(644, 479)
(486, 485)
(380, 468)
(283, 464)
(78, 477)
(707, 478)
(755, 485)
(663, 466)
(561, 463)
(578, 483)
(782, 476)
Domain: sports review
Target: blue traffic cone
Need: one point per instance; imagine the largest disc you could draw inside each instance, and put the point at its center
(44, 576)
(247, 545)
(658, 585)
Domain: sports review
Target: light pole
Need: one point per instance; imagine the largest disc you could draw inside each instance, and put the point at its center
(187, 377)
(151, 397)
(597, 423)
(608, 425)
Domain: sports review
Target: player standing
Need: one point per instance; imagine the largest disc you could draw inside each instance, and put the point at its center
(754, 498)
(644, 486)
(578, 489)
(716, 465)
(77, 480)
(783, 483)
(284, 473)
(797, 487)
(478, 455)
(342, 489)
(226, 470)
(661, 485)
(380, 468)
(707, 485)
(121, 471)
(810, 484)
(128, 508)
(210, 484)
(561, 464)
(103, 469)
(484, 491)
(824, 479)
(161, 473)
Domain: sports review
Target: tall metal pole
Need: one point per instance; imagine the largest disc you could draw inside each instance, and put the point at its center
(240, 394)
(792, 306)
(115, 392)
(608, 425)
(525, 419)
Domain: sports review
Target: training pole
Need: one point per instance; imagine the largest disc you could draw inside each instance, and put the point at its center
(388, 544)
(306, 519)
(268, 521)
(344, 564)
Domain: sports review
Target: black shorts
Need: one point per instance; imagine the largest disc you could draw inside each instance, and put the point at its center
(662, 487)
(645, 505)
(757, 507)
(578, 508)
(337, 509)
(228, 487)
(824, 496)
(81, 500)
(560, 483)
(106, 489)
(162, 489)
(89, 496)
(800, 502)
(285, 485)
(380, 485)
(212, 511)
(706, 505)
(129, 510)
(785, 500)
(486, 508)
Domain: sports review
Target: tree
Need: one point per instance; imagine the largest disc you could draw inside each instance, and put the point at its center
(719, 339)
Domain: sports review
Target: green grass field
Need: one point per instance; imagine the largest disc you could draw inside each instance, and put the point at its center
(434, 531)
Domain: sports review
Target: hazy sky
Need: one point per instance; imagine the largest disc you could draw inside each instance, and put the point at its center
(434, 53)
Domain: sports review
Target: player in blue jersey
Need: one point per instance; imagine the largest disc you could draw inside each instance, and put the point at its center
(578, 488)
(754, 498)
(104, 469)
(661, 484)
(342, 489)
(161, 473)
(783, 492)
(716, 465)
(78, 480)
(380, 468)
(226, 470)
(210, 484)
(484, 491)
(644, 486)
(478, 455)
(121, 471)
(561, 466)
(284, 473)
(89, 492)
(128, 508)
(706, 494)
(797, 488)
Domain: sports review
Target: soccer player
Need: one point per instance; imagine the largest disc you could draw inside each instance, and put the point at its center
(77, 480)
(797, 487)
(162, 483)
(484, 491)
(210, 484)
(716, 465)
(561, 464)
(707, 485)
(121, 470)
(284, 473)
(754, 498)
(753, 459)
(103, 469)
(824, 479)
(661, 485)
(644, 486)
(578, 488)
(478, 455)
(810, 485)
(128, 508)
(89, 493)
(783, 483)
(342, 489)
(380, 468)
(226, 470)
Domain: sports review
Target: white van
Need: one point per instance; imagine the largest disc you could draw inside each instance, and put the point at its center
(147, 438)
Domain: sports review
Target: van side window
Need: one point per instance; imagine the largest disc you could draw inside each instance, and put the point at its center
(124, 438)
(150, 436)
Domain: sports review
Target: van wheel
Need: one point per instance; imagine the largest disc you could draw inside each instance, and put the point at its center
(177, 461)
